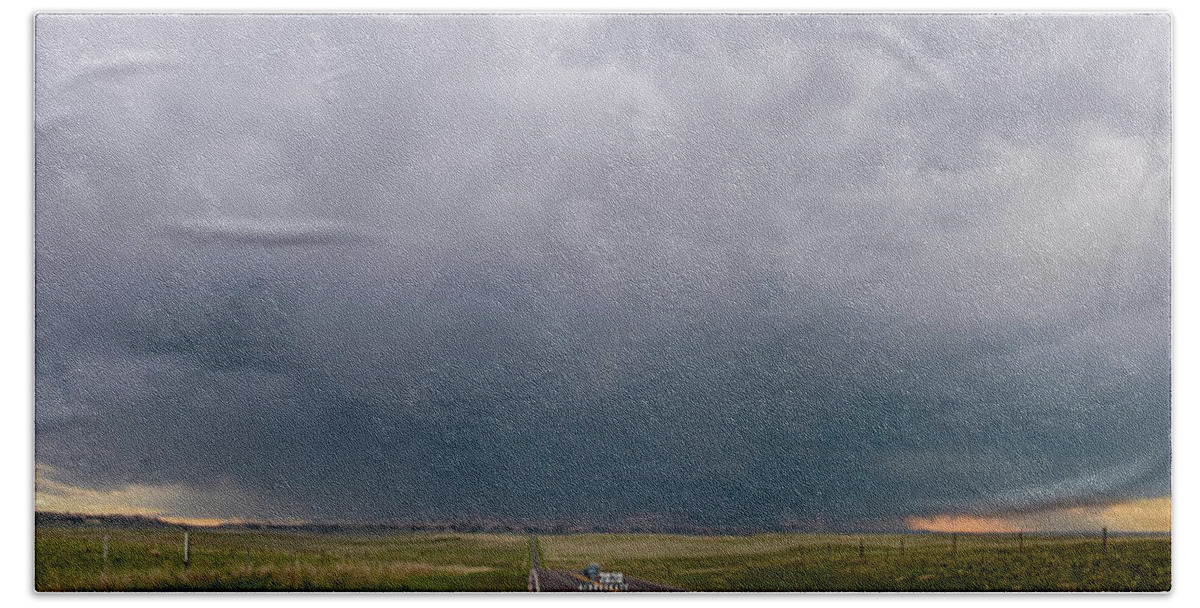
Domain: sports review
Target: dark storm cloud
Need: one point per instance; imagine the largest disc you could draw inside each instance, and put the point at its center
(833, 270)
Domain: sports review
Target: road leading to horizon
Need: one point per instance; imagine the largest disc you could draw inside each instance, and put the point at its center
(543, 579)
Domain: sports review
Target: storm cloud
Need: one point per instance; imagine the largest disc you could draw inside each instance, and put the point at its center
(814, 270)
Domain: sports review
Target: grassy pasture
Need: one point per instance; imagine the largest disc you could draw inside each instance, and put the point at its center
(69, 558)
(810, 562)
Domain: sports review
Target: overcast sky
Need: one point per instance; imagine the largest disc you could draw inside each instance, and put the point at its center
(825, 271)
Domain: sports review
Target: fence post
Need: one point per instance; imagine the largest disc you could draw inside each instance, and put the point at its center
(861, 549)
(1104, 540)
(1020, 542)
(902, 546)
(954, 544)
(106, 552)
(187, 558)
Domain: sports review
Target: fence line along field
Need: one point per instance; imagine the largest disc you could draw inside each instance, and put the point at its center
(71, 558)
(76, 557)
(901, 562)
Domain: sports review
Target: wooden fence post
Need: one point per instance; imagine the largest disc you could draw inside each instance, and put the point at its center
(902, 546)
(1104, 541)
(106, 552)
(1020, 542)
(954, 544)
(861, 549)
(187, 558)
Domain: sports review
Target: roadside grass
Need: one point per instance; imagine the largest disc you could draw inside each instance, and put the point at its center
(796, 562)
(71, 559)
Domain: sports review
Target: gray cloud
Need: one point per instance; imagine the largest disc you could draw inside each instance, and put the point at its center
(264, 232)
(828, 269)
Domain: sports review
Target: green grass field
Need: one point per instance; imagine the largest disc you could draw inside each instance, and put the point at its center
(810, 562)
(70, 558)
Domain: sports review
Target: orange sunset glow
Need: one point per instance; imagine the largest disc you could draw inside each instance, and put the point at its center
(1138, 515)
(171, 503)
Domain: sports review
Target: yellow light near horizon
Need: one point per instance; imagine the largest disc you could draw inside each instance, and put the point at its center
(160, 501)
(961, 523)
(1150, 514)
(128, 500)
(1137, 515)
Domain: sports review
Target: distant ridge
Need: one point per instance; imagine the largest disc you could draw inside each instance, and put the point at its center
(490, 525)
(41, 518)
(51, 518)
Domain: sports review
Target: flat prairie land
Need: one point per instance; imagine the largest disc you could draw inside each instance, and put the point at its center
(70, 558)
(929, 562)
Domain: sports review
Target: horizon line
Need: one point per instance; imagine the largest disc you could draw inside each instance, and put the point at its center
(513, 527)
